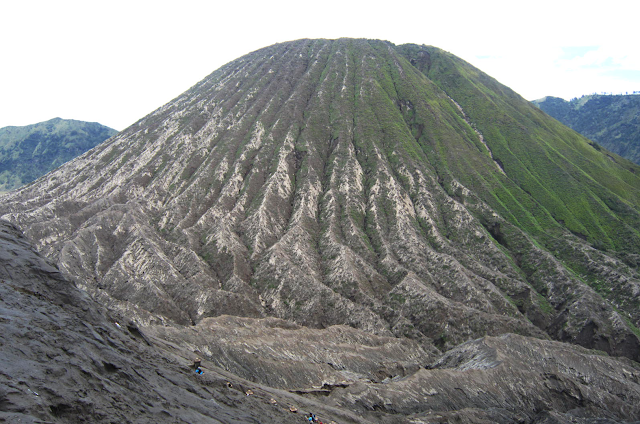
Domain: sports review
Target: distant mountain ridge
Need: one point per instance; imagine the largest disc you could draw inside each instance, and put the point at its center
(28, 152)
(612, 121)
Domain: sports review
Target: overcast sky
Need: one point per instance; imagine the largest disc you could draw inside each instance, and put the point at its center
(116, 61)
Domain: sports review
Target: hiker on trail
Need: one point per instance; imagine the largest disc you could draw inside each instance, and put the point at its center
(196, 364)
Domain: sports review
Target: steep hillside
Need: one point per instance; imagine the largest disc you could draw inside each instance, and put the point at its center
(66, 359)
(29, 152)
(393, 189)
(611, 121)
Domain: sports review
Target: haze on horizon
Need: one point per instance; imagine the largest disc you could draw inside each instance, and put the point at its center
(115, 62)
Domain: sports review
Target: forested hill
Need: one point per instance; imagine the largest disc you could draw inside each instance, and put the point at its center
(31, 151)
(612, 121)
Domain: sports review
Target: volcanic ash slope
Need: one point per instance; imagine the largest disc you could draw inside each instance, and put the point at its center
(393, 189)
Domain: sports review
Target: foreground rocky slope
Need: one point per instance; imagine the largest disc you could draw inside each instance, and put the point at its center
(506, 379)
(31, 151)
(393, 189)
(66, 359)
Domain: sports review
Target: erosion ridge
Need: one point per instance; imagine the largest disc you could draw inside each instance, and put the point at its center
(395, 190)
(67, 359)
(336, 182)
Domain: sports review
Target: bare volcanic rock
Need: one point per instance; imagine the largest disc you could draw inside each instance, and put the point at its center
(508, 379)
(288, 356)
(503, 379)
(392, 189)
(66, 359)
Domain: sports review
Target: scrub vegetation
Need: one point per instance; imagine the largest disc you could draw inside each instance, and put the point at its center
(29, 152)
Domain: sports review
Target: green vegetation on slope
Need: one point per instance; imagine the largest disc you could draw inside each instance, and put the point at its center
(554, 177)
(611, 121)
(29, 152)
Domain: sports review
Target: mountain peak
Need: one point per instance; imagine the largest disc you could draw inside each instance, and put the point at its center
(367, 222)
(351, 182)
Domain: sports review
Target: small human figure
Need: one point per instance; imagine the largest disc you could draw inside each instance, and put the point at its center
(196, 363)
